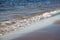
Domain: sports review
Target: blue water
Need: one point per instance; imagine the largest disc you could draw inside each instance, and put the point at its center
(16, 8)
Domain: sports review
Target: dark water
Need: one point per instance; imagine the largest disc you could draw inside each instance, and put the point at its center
(16, 8)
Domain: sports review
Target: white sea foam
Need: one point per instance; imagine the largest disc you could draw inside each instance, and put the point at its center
(13, 25)
(38, 25)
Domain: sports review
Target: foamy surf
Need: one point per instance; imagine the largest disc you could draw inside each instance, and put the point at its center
(9, 26)
(36, 25)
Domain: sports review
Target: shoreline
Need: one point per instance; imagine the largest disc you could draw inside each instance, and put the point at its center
(35, 26)
(13, 25)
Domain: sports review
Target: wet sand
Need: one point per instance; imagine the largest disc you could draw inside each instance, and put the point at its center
(51, 32)
(57, 22)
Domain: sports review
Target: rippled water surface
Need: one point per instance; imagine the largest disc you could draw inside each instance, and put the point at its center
(14, 9)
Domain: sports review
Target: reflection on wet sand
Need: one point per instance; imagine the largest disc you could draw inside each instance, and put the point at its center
(57, 22)
(51, 32)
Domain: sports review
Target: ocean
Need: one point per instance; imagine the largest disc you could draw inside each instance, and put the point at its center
(11, 9)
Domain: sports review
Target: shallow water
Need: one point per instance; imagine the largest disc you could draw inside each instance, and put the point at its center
(51, 32)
